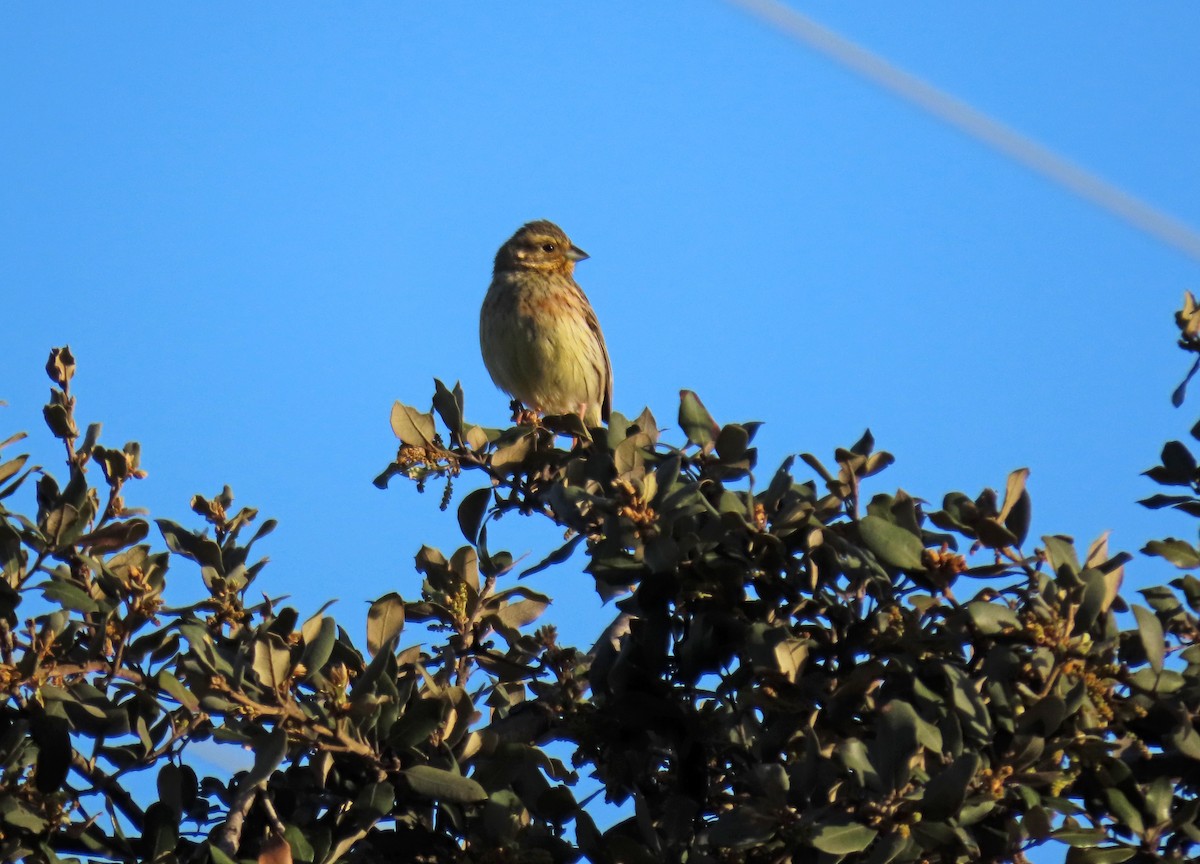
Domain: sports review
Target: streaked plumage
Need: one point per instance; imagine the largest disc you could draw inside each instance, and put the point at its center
(538, 333)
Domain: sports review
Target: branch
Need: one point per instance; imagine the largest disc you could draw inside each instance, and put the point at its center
(112, 790)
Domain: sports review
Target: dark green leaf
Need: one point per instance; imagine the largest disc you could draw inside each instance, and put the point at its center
(317, 650)
(559, 555)
(992, 618)
(471, 511)
(890, 543)
(1179, 552)
(441, 785)
(1150, 632)
(947, 790)
(695, 420)
(385, 621)
(842, 838)
(1099, 855)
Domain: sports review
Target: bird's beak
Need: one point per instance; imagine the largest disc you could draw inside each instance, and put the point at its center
(577, 254)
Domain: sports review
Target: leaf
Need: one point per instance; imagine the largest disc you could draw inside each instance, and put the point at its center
(1061, 552)
(1179, 462)
(1016, 512)
(629, 457)
(385, 621)
(269, 751)
(1150, 631)
(695, 420)
(947, 790)
(68, 595)
(512, 455)
(302, 850)
(441, 785)
(11, 467)
(471, 511)
(53, 741)
(992, 619)
(203, 550)
(559, 555)
(449, 406)
(732, 442)
(1099, 854)
(15, 812)
(1179, 552)
(842, 838)
(272, 660)
(412, 426)
(175, 689)
(216, 856)
(160, 833)
(1180, 392)
(318, 649)
(890, 543)
(115, 536)
(894, 745)
(517, 615)
(741, 828)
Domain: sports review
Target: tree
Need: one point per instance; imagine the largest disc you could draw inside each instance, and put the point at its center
(802, 669)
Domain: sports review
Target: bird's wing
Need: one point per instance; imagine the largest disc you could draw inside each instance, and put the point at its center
(606, 399)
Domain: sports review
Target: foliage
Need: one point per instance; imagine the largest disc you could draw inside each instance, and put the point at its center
(799, 670)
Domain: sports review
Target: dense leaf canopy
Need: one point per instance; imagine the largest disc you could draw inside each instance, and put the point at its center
(802, 666)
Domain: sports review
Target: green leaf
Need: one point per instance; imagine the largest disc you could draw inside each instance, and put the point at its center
(302, 850)
(732, 442)
(992, 618)
(559, 555)
(269, 751)
(160, 833)
(216, 856)
(15, 812)
(318, 649)
(1179, 552)
(1061, 552)
(175, 689)
(695, 420)
(68, 595)
(1099, 855)
(741, 828)
(1150, 632)
(947, 790)
(441, 785)
(471, 511)
(385, 621)
(894, 745)
(842, 838)
(891, 544)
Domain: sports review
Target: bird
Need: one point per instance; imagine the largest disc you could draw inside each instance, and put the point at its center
(539, 335)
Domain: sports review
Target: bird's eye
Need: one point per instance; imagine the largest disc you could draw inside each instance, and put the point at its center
(547, 247)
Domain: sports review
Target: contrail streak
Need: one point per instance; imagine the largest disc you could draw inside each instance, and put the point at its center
(978, 125)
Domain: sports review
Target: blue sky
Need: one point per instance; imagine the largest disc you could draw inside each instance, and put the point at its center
(257, 225)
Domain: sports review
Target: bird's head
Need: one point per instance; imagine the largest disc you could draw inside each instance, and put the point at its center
(539, 245)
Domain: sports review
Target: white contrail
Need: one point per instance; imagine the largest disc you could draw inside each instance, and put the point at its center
(977, 124)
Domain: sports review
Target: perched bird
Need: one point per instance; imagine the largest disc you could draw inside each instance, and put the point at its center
(538, 333)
